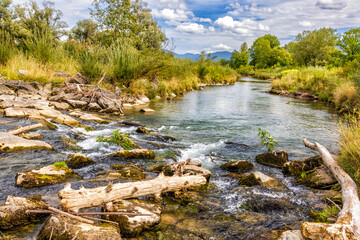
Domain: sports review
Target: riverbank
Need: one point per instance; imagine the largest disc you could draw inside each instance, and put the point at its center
(225, 209)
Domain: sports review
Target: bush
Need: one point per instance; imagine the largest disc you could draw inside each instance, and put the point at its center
(41, 45)
(91, 62)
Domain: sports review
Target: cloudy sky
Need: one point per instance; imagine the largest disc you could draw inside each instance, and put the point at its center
(215, 25)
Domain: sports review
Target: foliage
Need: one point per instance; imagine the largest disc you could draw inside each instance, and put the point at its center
(122, 139)
(314, 48)
(349, 156)
(331, 211)
(6, 47)
(267, 140)
(240, 58)
(349, 43)
(92, 61)
(85, 30)
(60, 164)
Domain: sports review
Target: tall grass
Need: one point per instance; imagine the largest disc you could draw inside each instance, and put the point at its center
(41, 45)
(92, 62)
(6, 47)
(349, 156)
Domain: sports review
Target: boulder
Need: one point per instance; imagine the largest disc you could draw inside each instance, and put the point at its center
(11, 143)
(93, 107)
(50, 113)
(258, 178)
(128, 172)
(77, 160)
(142, 130)
(64, 228)
(52, 174)
(65, 119)
(60, 106)
(295, 168)
(22, 73)
(5, 90)
(13, 211)
(144, 99)
(132, 226)
(78, 79)
(237, 166)
(273, 158)
(20, 85)
(265, 204)
(21, 112)
(319, 177)
(135, 153)
(147, 110)
(70, 144)
(291, 235)
(77, 103)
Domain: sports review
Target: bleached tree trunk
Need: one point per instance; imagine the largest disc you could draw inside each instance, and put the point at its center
(24, 129)
(73, 200)
(347, 225)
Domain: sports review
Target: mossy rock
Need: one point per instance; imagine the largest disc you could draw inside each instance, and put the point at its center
(132, 226)
(13, 211)
(77, 160)
(295, 168)
(264, 204)
(142, 130)
(258, 178)
(129, 171)
(136, 153)
(70, 144)
(237, 166)
(319, 178)
(273, 159)
(168, 154)
(48, 175)
(163, 167)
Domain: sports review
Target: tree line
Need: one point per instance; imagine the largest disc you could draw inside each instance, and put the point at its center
(320, 47)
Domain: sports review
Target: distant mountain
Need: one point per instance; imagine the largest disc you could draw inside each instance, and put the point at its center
(194, 57)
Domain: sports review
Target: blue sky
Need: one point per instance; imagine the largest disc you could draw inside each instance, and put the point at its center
(214, 25)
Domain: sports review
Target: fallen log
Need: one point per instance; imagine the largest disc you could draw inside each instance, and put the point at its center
(73, 200)
(24, 129)
(347, 225)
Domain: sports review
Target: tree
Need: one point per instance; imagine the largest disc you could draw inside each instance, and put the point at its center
(260, 52)
(314, 48)
(240, 58)
(350, 44)
(5, 15)
(115, 15)
(85, 30)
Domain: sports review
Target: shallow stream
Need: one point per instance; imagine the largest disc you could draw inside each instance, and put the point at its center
(221, 121)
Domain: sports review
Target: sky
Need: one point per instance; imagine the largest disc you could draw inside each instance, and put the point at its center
(223, 25)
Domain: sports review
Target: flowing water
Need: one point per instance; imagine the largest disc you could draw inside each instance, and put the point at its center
(221, 121)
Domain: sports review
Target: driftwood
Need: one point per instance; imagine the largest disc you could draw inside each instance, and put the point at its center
(24, 129)
(73, 200)
(347, 225)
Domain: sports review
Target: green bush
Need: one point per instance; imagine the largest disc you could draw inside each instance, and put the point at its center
(41, 45)
(92, 62)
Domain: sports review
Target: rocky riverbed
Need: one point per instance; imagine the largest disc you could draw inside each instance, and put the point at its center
(77, 143)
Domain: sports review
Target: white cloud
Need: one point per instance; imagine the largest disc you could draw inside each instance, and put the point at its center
(190, 28)
(247, 27)
(208, 20)
(220, 46)
(331, 4)
(305, 24)
(173, 15)
(211, 29)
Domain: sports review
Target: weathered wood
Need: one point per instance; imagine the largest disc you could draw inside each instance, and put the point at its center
(55, 210)
(347, 225)
(24, 129)
(73, 200)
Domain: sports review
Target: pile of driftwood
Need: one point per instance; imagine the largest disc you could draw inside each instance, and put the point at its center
(89, 97)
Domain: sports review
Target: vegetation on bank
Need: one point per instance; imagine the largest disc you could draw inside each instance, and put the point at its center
(129, 51)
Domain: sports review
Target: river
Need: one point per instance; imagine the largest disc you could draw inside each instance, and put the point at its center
(221, 121)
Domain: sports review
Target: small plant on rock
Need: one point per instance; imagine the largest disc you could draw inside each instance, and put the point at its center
(267, 140)
(122, 139)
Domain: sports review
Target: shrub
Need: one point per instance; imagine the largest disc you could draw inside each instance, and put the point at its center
(267, 140)
(91, 62)
(6, 47)
(41, 45)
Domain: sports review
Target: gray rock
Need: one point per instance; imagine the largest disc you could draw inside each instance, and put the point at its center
(237, 166)
(23, 73)
(77, 160)
(5, 90)
(77, 103)
(273, 158)
(11, 143)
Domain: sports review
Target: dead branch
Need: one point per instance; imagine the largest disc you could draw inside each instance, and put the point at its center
(73, 200)
(347, 225)
(24, 129)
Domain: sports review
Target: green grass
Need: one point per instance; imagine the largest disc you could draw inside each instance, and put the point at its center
(60, 164)
(122, 139)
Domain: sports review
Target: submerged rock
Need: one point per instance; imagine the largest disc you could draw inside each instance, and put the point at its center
(264, 204)
(77, 160)
(13, 211)
(319, 177)
(132, 226)
(142, 130)
(273, 159)
(147, 110)
(70, 143)
(129, 171)
(237, 166)
(11, 143)
(64, 228)
(135, 153)
(258, 178)
(48, 175)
